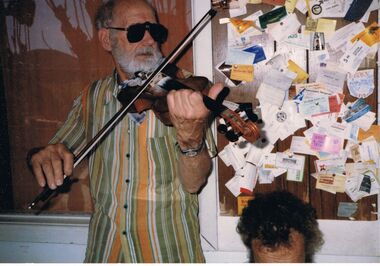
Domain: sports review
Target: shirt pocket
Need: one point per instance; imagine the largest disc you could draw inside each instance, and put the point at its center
(163, 161)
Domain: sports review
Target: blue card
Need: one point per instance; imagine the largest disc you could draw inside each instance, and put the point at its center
(258, 51)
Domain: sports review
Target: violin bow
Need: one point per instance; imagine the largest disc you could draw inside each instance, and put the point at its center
(47, 193)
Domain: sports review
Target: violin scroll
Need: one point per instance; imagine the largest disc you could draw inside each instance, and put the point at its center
(235, 123)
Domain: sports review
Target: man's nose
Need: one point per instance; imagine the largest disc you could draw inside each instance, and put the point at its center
(148, 39)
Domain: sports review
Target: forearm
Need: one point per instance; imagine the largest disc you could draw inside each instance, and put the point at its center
(194, 170)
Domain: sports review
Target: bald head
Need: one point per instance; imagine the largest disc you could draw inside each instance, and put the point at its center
(116, 8)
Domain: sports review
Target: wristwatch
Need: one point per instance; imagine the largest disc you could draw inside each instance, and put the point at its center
(193, 151)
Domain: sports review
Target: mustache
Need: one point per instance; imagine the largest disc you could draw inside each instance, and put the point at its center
(146, 51)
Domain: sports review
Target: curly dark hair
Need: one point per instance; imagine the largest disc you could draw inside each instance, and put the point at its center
(270, 217)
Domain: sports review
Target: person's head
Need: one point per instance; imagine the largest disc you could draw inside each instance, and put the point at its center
(279, 227)
(135, 49)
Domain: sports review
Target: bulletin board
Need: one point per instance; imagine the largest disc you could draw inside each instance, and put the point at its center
(325, 203)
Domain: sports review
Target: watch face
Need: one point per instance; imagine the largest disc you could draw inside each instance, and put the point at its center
(191, 153)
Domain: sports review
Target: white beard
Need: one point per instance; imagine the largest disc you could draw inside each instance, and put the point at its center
(130, 63)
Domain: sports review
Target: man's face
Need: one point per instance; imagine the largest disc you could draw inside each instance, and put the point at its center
(294, 253)
(132, 57)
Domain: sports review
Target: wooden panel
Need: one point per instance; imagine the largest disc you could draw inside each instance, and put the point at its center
(51, 52)
(325, 203)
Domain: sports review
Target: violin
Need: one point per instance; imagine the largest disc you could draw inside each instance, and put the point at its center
(235, 124)
(154, 98)
(139, 99)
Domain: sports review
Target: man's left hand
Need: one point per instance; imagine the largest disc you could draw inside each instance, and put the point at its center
(189, 115)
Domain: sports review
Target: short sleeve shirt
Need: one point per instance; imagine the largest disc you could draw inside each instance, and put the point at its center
(141, 212)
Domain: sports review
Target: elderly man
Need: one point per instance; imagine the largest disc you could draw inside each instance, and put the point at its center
(145, 175)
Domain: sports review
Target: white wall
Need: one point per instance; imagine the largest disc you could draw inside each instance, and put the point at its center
(62, 239)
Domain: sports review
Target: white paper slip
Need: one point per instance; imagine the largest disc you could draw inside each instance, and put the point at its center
(236, 12)
(265, 176)
(248, 178)
(294, 175)
(332, 79)
(298, 40)
(233, 185)
(270, 95)
(336, 165)
(365, 121)
(279, 79)
(343, 35)
(314, 106)
(239, 57)
(354, 56)
(290, 161)
(282, 29)
(327, 9)
(255, 153)
(231, 155)
(301, 6)
(301, 145)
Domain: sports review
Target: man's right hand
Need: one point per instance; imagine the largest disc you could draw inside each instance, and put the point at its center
(51, 164)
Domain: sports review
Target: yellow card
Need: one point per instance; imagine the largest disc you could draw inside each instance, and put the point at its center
(302, 75)
(290, 5)
(374, 130)
(326, 25)
(369, 35)
(254, 1)
(311, 24)
(242, 72)
(242, 202)
(241, 25)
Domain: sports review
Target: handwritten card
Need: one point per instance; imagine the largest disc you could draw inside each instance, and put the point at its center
(361, 83)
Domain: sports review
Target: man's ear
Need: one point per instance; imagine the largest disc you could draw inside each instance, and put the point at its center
(104, 38)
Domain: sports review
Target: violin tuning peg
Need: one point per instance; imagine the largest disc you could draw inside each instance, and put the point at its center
(232, 136)
(222, 129)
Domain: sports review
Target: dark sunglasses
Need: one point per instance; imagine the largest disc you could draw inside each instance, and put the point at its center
(136, 32)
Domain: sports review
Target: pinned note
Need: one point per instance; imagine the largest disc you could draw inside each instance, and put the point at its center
(361, 83)
(242, 72)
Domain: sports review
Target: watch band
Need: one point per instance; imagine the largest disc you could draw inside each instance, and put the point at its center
(193, 151)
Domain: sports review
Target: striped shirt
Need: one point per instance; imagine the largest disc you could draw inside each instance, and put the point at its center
(141, 211)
